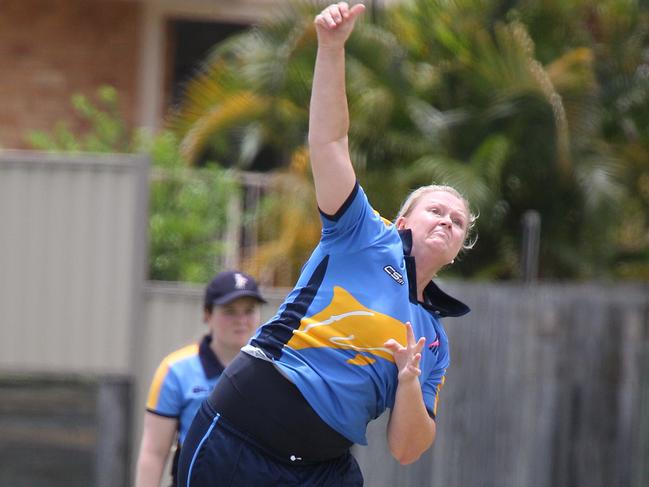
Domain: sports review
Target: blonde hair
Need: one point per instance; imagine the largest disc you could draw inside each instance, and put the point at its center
(413, 198)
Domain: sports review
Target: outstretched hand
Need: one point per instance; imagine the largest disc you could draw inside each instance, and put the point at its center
(335, 23)
(407, 358)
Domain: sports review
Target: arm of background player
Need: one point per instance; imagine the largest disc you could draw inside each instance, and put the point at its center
(157, 437)
(333, 173)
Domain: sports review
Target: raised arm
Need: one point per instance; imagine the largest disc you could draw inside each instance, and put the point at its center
(333, 173)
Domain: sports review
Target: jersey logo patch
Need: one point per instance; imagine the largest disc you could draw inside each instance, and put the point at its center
(434, 346)
(345, 324)
(394, 274)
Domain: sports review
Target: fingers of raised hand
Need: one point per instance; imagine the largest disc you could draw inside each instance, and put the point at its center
(355, 10)
(338, 13)
(333, 15)
(343, 9)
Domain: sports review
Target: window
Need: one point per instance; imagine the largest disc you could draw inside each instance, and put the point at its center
(190, 42)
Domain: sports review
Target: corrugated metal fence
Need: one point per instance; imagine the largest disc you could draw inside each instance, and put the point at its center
(72, 260)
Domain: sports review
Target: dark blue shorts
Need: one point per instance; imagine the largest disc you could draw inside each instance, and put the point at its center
(215, 454)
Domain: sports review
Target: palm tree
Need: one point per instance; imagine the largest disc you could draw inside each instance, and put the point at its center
(620, 34)
(483, 95)
(253, 90)
(528, 131)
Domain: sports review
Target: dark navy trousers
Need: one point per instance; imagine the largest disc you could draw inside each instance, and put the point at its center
(216, 454)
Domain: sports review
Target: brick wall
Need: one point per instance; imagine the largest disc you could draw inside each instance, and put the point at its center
(52, 49)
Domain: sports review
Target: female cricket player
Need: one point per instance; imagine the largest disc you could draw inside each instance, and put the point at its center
(358, 334)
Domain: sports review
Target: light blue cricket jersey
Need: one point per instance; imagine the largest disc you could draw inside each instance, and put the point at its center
(357, 290)
(182, 381)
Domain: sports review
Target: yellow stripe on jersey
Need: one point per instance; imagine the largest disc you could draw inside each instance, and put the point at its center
(439, 388)
(385, 221)
(348, 325)
(163, 368)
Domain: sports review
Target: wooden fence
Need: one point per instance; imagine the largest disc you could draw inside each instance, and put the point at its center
(548, 386)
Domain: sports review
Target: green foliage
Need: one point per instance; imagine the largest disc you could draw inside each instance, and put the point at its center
(521, 105)
(187, 212)
(106, 131)
(187, 215)
(253, 91)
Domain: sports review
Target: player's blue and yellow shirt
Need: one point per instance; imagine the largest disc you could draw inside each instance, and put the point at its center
(182, 381)
(357, 290)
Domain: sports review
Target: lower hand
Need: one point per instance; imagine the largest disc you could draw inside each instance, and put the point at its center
(407, 358)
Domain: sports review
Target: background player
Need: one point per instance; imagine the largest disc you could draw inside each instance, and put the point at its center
(187, 376)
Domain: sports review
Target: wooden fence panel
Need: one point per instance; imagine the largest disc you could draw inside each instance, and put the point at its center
(547, 387)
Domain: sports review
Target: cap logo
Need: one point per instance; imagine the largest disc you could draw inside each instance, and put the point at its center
(240, 281)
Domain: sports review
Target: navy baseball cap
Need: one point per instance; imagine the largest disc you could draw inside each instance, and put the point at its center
(230, 285)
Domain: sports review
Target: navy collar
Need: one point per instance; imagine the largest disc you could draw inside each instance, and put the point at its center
(435, 299)
(212, 366)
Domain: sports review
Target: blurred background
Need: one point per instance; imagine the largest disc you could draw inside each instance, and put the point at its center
(145, 145)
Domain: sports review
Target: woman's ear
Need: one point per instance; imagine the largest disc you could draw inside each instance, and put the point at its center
(400, 223)
(206, 316)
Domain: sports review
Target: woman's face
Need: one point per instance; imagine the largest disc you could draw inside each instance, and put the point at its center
(438, 222)
(233, 323)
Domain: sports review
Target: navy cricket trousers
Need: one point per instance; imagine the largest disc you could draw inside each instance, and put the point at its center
(215, 454)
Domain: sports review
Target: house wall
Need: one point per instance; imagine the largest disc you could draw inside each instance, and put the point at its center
(52, 49)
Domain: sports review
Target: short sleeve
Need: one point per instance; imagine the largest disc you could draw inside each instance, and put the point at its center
(434, 383)
(165, 393)
(431, 394)
(355, 226)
